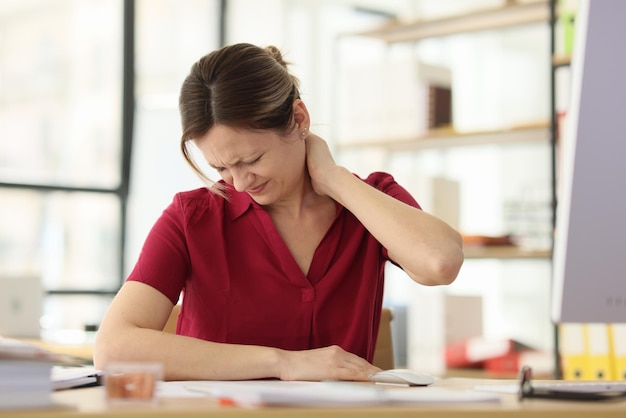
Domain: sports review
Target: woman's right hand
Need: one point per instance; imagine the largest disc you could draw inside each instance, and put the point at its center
(328, 363)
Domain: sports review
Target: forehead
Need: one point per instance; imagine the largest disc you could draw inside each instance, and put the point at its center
(224, 145)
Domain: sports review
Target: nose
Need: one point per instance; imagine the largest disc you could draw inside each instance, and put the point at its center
(242, 179)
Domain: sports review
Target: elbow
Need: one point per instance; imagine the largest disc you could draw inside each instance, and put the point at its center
(98, 362)
(447, 269)
(447, 262)
(99, 357)
(101, 352)
(107, 349)
(444, 268)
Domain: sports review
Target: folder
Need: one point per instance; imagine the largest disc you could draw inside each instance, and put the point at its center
(542, 363)
(598, 346)
(473, 352)
(617, 347)
(574, 352)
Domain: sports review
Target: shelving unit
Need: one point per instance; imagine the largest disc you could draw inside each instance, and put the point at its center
(511, 15)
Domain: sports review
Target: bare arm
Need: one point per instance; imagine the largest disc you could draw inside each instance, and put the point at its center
(132, 331)
(427, 249)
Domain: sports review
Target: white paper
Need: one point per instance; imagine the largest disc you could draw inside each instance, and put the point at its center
(256, 393)
(177, 389)
(511, 388)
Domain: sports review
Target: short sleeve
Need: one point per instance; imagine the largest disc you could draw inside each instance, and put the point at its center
(164, 260)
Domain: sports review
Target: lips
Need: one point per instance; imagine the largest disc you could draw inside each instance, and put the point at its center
(257, 189)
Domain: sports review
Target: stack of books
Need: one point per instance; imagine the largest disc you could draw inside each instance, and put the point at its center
(25, 372)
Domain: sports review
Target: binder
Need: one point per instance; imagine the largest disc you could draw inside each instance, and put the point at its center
(598, 346)
(541, 362)
(574, 352)
(567, 17)
(474, 352)
(617, 347)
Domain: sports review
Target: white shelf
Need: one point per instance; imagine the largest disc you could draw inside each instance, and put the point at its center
(447, 139)
(511, 15)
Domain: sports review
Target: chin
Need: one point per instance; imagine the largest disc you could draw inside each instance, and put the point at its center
(262, 199)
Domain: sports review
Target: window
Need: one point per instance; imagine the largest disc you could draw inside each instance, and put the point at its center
(66, 123)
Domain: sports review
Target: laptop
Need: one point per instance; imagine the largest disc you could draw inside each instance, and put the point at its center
(21, 306)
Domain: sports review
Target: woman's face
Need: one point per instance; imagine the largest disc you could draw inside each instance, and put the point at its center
(267, 166)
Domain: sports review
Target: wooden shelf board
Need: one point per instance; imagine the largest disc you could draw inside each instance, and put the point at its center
(503, 251)
(514, 14)
(561, 60)
(447, 138)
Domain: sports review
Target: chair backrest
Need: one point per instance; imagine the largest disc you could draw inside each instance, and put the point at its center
(170, 325)
(383, 353)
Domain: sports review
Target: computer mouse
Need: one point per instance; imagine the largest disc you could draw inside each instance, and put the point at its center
(402, 377)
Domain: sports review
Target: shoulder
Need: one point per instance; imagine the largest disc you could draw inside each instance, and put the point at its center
(388, 185)
(202, 194)
(192, 199)
(194, 203)
(379, 179)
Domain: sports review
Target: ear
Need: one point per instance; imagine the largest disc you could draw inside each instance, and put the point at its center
(301, 115)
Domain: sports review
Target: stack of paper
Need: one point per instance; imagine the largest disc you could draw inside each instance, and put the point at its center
(67, 377)
(24, 375)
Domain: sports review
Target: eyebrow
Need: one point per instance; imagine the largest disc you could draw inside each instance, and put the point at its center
(237, 162)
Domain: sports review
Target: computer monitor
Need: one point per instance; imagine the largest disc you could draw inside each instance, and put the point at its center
(589, 258)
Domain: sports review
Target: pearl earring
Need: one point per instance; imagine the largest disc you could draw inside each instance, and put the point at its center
(304, 133)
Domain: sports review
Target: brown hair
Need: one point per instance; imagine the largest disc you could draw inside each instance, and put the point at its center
(242, 86)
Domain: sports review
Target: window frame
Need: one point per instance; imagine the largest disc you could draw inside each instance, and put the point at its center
(121, 192)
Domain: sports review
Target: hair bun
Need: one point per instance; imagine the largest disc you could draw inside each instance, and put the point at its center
(276, 54)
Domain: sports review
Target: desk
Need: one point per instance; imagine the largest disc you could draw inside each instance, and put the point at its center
(90, 402)
(81, 351)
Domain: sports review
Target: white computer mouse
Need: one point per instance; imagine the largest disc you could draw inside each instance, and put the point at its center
(403, 377)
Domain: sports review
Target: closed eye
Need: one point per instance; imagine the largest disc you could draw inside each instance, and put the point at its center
(239, 163)
(216, 168)
(256, 160)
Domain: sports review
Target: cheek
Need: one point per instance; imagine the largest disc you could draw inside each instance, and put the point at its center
(294, 154)
(296, 161)
(287, 164)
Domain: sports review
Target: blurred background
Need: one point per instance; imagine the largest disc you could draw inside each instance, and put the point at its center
(89, 142)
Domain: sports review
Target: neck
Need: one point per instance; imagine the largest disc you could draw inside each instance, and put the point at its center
(299, 203)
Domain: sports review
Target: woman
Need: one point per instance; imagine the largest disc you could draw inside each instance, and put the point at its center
(281, 263)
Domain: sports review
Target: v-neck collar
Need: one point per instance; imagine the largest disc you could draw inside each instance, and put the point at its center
(264, 225)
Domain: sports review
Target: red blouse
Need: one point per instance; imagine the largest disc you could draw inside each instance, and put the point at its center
(240, 284)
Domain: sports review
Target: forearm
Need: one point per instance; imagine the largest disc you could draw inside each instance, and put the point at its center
(428, 249)
(186, 358)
